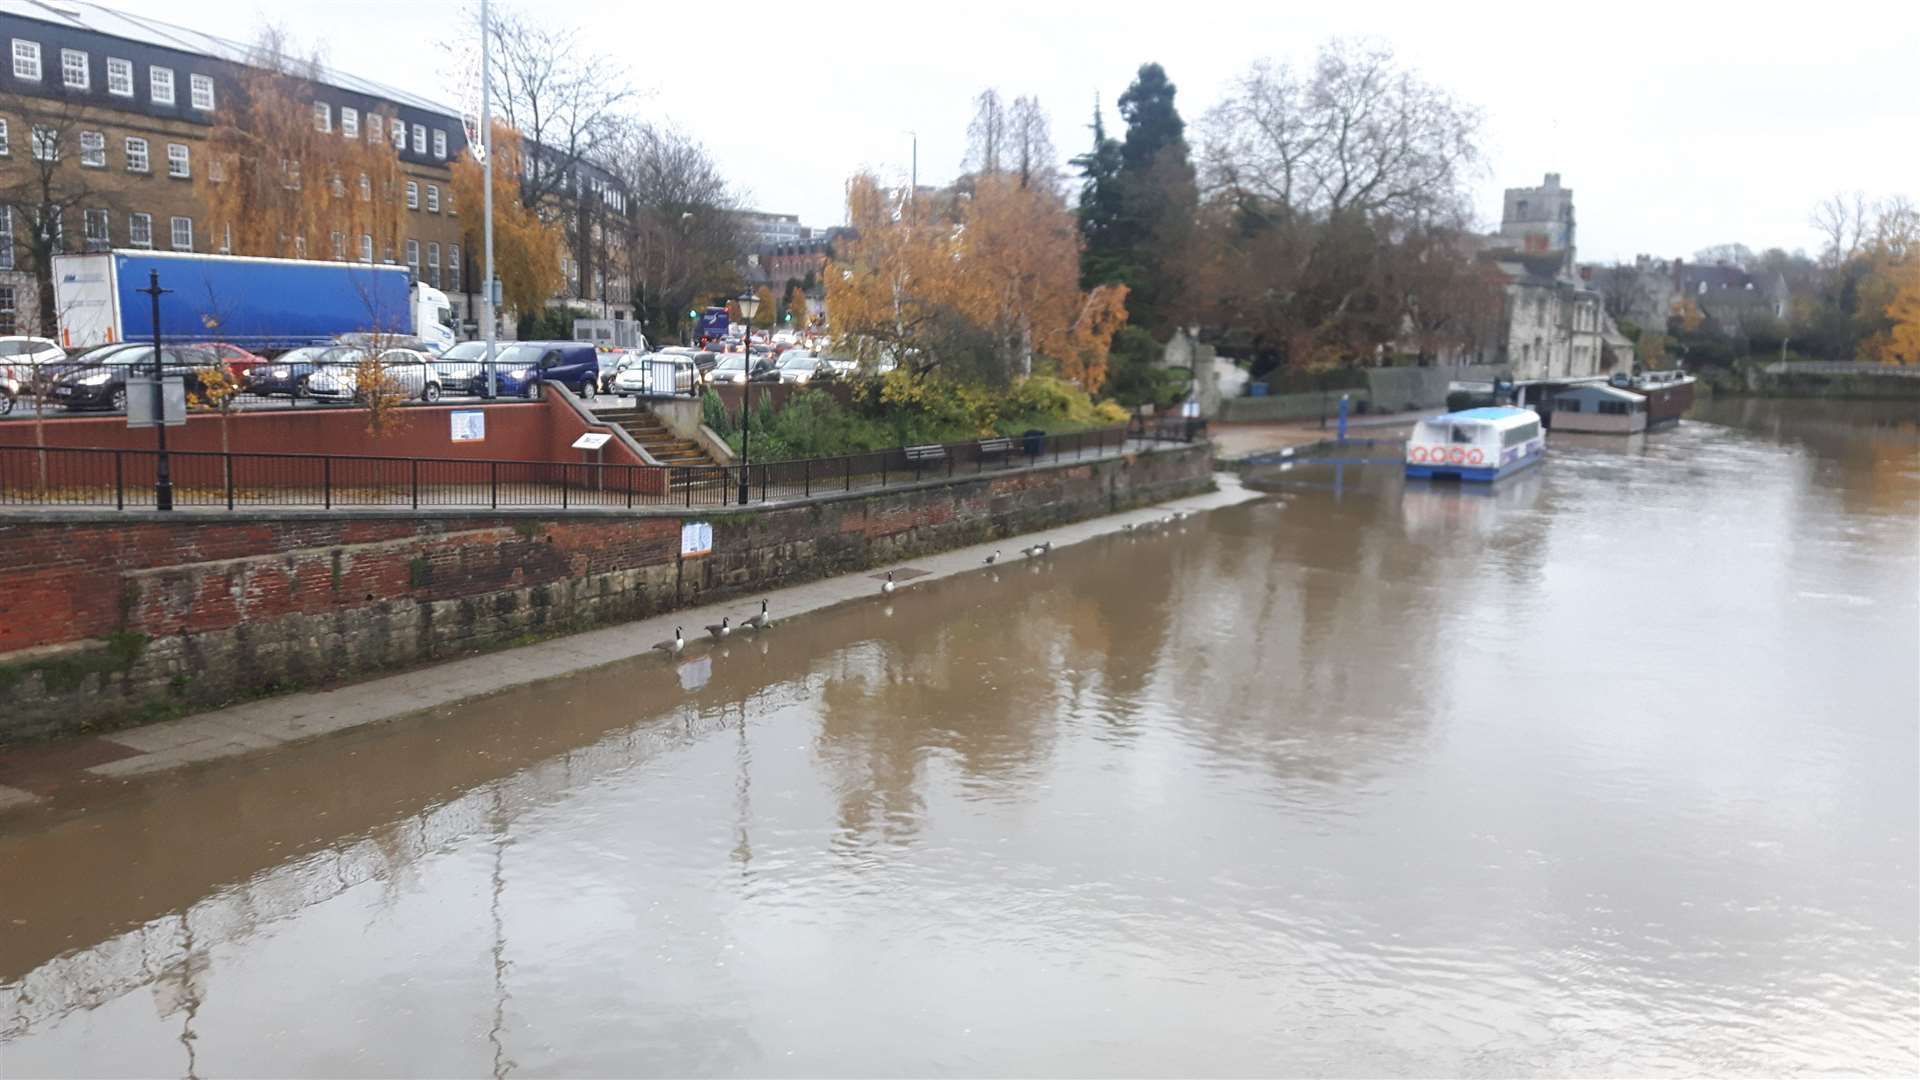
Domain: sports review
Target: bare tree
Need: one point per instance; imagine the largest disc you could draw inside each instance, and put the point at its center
(681, 225)
(1033, 157)
(1842, 221)
(1739, 255)
(987, 133)
(1356, 134)
(46, 189)
(549, 85)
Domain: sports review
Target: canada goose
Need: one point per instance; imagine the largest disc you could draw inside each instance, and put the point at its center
(887, 586)
(674, 647)
(993, 558)
(1046, 547)
(1035, 550)
(758, 622)
(1128, 527)
(721, 629)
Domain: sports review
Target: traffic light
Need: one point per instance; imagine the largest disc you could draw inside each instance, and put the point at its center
(692, 314)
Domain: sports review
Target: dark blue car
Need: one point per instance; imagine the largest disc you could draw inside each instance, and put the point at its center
(521, 366)
(287, 374)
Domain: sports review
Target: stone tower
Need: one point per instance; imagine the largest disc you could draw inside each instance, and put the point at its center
(1539, 220)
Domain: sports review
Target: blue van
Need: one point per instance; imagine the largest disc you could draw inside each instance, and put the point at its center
(521, 366)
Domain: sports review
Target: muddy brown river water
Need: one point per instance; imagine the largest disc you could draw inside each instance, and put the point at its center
(1612, 771)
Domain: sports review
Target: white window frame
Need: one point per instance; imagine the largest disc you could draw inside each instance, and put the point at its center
(105, 218)
(433, 198)
(323, 118)
(366, 247)
(453, 267)
(180, 165)
(216, 170)
(160, 85)
(6, 147)
(26, 60)
(93, 149)
(174, 232)
(45, 143)
(226, 239)
(413, 258)
(398, 129)
(137, 224)
(339, 240)
(200, 92)
(6, 237)
(72, 62)
(440, 143)
(433, 263)
(420, 139)
(349, 122)
(376, 126)
(413, 195)
(139, 154)
(119, 77)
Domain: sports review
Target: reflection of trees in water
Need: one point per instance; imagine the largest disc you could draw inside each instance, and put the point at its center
(1874, 443)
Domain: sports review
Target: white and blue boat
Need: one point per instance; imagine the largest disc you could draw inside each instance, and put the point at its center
(1480, 445)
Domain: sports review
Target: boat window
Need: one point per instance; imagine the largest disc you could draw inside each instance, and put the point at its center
(1567, 404)
(1464, 434)
(1514, 436)
(1614, 408)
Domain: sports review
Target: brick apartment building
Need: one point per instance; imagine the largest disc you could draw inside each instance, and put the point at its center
(130, 104)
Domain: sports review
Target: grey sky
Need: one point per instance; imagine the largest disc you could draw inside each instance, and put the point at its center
(1678, 125)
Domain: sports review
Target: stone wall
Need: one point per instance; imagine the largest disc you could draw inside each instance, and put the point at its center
(1277, 407)
(111, 619)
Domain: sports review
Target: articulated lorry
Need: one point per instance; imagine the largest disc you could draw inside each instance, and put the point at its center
(263, 305)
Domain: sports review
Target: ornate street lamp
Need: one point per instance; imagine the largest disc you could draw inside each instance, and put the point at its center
(749, 305)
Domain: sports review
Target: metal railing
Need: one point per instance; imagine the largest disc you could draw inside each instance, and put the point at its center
(125, 479)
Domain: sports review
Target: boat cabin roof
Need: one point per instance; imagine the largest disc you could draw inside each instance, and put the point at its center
(1498, 416)
(1597, 391)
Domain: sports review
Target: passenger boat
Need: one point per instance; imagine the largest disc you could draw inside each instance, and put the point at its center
(1479, 445)
(1599, 408)
(1669, 394)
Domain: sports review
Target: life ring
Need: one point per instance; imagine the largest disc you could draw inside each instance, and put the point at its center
(1476, 457)
(1457, 455)
(1418, 454)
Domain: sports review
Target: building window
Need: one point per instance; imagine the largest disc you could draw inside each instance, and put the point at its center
(93, 150)
(119, 77)
(374, 125)
(450, 208)
(201, 87)
(26, 60)
(5, 146)
(322, 117)
(217, 171)
(99, 227)
(8, 322)
(179, 164)
(160, 85)
(366, 247)
(413, 195)
(6, 238)
(340, 246)
(183, 234)
(366, 188)
(338, 186)
(73, 70)
(349, 123)
(46, 143)
(440, 144)
(433, 265)
(226, 239)
(453, 267)
(433, 198)
(413, 257)
(419, 138)
(140, 230)
(399, 135)
(136, 155)
(299, 247)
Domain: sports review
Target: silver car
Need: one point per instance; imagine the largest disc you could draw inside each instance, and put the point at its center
(408, 371)
(658, 375)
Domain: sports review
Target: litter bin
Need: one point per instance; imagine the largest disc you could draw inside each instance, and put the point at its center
(1258, 389)
(1036, 442)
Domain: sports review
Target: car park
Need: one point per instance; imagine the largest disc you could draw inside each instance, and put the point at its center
(101, 383)
(524, 365)
(615, 361)
(659, 375)
(238, 360)
(463, 368)
(24, 362)
(799, 369)
(729, 369)
(287, 374)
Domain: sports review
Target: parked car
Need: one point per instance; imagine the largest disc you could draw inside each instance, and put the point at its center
(463, 368)
(101, 383)
(798, 369)
(238, 360)
(287, 374)
(842, 368)
(524, 365)
(615, 361)
(21, 360)
(658, 375)
(408, 371)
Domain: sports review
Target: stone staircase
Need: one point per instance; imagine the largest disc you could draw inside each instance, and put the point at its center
(647, 430)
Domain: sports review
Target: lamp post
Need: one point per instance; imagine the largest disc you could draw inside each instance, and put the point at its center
(162, 464)
(749, 307)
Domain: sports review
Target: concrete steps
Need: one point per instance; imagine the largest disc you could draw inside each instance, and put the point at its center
(647, 430)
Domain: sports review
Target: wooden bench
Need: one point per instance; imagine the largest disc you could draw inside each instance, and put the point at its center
(1002, 446)
(921, 456)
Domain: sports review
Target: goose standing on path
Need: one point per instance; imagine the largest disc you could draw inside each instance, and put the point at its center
(1034, 551)
(887, 586)
(674, 647)
(993, 558)
(758, 622)
(721, 629)
(1046, 547)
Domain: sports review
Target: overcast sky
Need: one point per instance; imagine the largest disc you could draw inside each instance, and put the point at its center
(1677, 124)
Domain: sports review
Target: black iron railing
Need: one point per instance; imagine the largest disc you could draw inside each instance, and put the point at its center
(124, 479)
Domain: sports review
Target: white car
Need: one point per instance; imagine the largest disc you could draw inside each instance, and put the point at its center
(409, 371)
(786, 337)
(658, 375)
(20, 357)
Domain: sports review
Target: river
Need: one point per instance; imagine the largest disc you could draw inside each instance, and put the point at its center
(1612, 771)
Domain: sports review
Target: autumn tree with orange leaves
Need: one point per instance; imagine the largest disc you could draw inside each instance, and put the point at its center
(996, 270)
(526, 249)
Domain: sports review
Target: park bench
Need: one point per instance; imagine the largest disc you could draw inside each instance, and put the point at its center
(1001, 447)
(921, 456)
